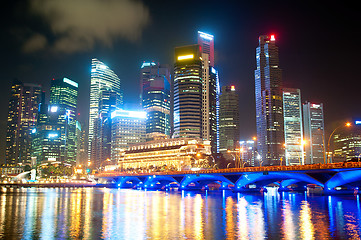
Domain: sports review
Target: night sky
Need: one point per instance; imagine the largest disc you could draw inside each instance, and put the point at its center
(318, 46)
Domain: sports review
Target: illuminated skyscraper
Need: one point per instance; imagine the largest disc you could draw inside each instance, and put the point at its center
(64, 97)
(269, 104)
(128, 127)
(188, 92)
(294, 154)
(229, 131)
(210, 93)
(102, 77)
(101, 144)
(22, 118)
(155, 98)
(314, 133)
(206, 41)
(55, 133)
(347, 144)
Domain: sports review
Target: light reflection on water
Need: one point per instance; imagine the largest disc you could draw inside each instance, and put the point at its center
(101, 213)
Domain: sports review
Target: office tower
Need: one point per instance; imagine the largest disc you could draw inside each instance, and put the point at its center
(229, 132)
(292, 113)
(206, 41)
(63, 106)
(187, 92)
(102, 77)
(210, 94)
(314, 133)
(48, 143)
(347, 144)
(128, 127)
(109, 101)
(22, 117)
(269, 105)
(155, 99)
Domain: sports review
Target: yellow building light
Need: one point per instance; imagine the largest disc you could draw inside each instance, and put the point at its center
(184, 57)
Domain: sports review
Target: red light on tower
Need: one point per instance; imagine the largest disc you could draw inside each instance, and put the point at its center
(273, 37)
(233, 88)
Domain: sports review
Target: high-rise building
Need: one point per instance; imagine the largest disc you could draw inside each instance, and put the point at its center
(63, 104)
(229, 131)
(188, 92)
(206, 41)
(210, 93)
(155, 99)
(128, 127)
(269, 104)
(48, 144)
(347, 144)
(101, 145)
(292, 112)
(22, 118)
(102, 77)
(314, 133)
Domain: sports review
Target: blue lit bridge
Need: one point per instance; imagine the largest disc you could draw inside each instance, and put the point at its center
(333, 178)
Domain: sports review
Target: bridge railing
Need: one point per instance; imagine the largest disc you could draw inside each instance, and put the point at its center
(238, 170)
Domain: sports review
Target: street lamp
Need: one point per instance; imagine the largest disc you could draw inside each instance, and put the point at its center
(347, 124)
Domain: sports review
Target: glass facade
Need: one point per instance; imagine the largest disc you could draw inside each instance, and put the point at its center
(347, 144)
(22, 118)
(155, 99)
(128, 127)
(229, 132)
(294, 152)
(314, 132)
(102, 77)
(101, 145)
(269, 104)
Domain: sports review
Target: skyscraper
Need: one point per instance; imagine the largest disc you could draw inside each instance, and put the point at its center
(22, 118)
(229, 131)
(347, 144)
(101, 144)
(210, 92)
(55, 133)
(155, 99)
(294, 152)
(269, 104)
(206, 41)
(102, 77)
(128, 127)
(64, 98)
(188, 92)
(314, 133)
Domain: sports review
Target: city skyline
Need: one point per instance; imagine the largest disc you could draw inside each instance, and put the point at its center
(299, 54)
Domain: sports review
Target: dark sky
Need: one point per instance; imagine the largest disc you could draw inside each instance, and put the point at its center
(318, 46)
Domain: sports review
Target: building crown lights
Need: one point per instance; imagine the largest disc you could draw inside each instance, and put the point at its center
(205, 36)
(129, 114)
(68, 81)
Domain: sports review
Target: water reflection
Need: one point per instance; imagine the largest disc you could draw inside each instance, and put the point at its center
(87, 213)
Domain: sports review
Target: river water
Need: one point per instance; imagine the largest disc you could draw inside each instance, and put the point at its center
(103, 213)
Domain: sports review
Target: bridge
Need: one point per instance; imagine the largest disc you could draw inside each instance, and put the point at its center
(332, 178)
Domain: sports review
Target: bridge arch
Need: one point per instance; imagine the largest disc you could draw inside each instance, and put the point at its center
(128, 181)
(158, 181)
(201, 180)
(349, 177)
(261, 179)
